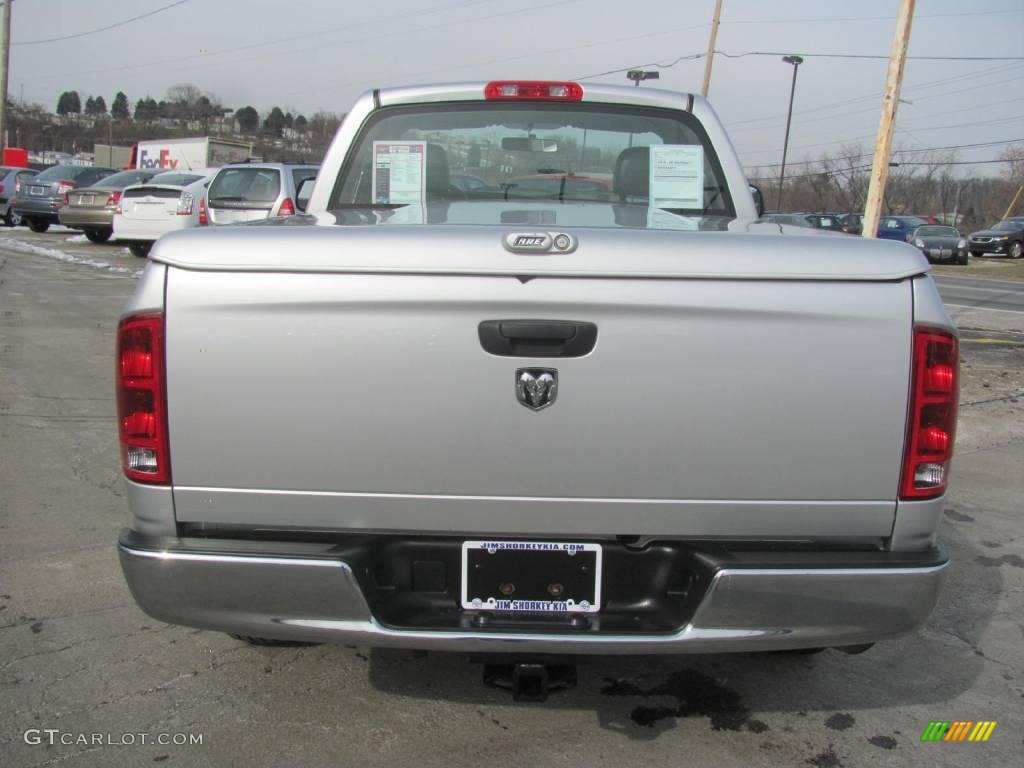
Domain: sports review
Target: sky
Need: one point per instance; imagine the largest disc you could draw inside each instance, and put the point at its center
(309, 55)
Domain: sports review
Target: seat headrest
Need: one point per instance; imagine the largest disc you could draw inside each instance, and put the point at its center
(632, 173)
(438, 180)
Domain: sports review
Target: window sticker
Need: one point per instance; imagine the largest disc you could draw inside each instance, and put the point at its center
(399, 172)
(677, 176)
(659, 219)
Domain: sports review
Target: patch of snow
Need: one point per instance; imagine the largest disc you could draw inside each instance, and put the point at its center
(78, 239)
(52, 253)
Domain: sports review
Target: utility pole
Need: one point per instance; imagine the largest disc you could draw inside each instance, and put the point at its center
(796, 61)
(1013, 203)
(711, 48)
(5, 59)
(891, 100)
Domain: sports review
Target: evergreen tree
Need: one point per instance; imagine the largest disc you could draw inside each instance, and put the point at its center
(119, 109)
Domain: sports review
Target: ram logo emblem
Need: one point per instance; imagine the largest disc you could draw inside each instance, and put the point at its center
(536, 388)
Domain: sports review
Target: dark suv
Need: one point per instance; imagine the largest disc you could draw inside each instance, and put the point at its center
(1006, 237)
(40, 199)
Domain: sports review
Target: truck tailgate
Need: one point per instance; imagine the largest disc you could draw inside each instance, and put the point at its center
(712, 407)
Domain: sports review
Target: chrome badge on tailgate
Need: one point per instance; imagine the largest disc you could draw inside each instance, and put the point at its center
(540, 242)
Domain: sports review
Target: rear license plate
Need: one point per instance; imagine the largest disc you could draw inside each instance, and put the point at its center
(35, 190)
(531, 576)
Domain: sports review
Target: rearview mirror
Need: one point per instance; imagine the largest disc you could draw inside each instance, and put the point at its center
(528, 144)
(303, 193)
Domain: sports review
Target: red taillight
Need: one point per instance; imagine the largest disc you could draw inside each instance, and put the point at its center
(532, 90)
(203, 219)
(63, 187)
(287, 208)
(931, 422)
(141, 399)
(2, 188)
(114, 199)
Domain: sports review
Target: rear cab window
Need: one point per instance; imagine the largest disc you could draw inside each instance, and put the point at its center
(629, 156)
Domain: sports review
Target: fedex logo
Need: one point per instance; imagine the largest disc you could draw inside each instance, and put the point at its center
(162, 160)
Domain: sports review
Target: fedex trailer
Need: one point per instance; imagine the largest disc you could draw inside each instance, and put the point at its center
(186, 154)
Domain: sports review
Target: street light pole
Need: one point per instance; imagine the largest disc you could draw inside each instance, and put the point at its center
(796, 61)
(5, 60)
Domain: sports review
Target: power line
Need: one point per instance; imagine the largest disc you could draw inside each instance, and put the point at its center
(688, 57)
(868, 56)
(874, 110)
(852, 169)
(917, 16)
(901, 151)
(102, 29)
(901, 130)
(262, 56)
(530, 55)
(963, 162)
(913, 89)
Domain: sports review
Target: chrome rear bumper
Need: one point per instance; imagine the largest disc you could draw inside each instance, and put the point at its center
(304, 592)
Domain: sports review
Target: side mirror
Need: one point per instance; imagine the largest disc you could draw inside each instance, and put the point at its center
(303, 193)
(755, 192)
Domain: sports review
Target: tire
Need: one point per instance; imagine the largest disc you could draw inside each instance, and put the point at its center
(98, 235)
(962, 259)
(267, 642)
(140, 249)
(12, 219)
(1016, 250)
(38, 225)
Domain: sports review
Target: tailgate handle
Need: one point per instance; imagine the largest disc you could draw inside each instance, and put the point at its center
(537, 338)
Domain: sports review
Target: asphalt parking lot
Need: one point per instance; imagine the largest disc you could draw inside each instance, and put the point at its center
(78, 656)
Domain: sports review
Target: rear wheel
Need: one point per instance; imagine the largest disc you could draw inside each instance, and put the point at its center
(98, 235)
(140, 249)
(269, 642)
(38, 225)
(1016, 250)
(12, 219)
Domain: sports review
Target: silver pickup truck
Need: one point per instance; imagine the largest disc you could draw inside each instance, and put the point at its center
(530, 376)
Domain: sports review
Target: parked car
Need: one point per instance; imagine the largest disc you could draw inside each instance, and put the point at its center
(828, 221)
(11, 179)
(254, 191)
(555, 186)
(791, 219)
(1006, 237)
(469, 184)
(851, 223)
(898, 227)
(91, 209)
(940, 243)
(169, 201)
(574, 437)
(38, 203)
